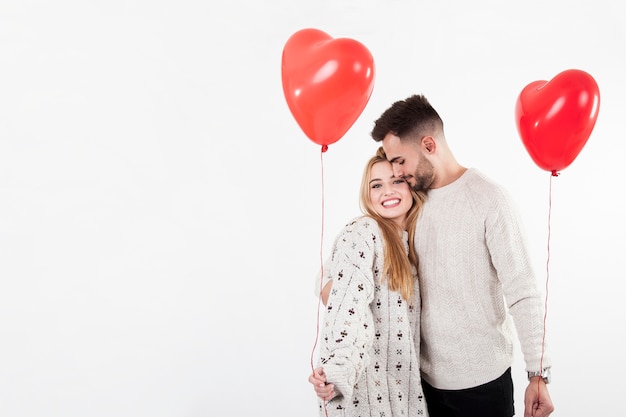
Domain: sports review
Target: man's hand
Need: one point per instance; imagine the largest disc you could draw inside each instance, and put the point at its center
(326, 292)
(537, 402)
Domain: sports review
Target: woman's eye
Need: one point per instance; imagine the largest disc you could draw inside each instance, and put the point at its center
(399, 181)
(375, 185)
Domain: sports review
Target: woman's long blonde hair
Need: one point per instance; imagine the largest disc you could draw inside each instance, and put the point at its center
(398, 268)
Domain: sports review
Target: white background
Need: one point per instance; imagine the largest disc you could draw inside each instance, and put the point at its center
(162, 216)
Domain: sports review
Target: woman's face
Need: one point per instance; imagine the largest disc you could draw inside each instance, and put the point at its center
(390, 196)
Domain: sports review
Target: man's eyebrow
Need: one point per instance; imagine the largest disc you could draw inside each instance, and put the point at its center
(393, 160)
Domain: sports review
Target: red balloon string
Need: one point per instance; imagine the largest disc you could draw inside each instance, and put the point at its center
(545, 313)
(321, 259)
(321, 254)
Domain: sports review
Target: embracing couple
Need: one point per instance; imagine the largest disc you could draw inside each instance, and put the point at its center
(426, 289)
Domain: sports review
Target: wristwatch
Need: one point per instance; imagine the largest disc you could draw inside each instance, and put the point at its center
(545, 375)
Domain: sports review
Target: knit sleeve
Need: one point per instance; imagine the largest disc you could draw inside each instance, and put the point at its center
(347, 331)
(507, 245)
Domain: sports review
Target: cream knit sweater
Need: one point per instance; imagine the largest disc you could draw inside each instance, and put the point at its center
(476, 282)
(369, 340)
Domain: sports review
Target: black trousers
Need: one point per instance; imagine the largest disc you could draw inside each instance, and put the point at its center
(493, 399)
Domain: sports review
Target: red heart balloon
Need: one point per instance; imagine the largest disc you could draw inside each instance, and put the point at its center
(327, 83)
(555, 118)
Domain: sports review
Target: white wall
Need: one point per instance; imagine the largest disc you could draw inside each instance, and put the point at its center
(161, 212)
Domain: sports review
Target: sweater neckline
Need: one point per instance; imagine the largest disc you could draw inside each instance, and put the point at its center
(454, 185)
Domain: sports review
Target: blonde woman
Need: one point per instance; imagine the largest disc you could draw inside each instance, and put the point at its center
(369, 338)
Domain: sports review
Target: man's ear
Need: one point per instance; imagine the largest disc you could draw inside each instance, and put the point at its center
(429, 144)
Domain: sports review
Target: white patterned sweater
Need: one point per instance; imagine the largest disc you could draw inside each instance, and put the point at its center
(475, 276)
(369, 346)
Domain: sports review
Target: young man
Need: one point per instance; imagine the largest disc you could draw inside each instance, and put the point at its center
(475, 276)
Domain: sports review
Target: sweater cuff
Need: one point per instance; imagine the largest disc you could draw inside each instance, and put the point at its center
(342, 378)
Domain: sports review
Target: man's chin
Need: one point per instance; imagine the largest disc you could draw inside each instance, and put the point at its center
(415, 186)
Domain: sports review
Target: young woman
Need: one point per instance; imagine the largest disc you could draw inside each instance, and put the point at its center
(369, 338)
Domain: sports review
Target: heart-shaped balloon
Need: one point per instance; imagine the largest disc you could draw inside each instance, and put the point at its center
(327, 83)
(555, 118)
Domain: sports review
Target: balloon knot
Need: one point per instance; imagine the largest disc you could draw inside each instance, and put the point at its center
(324, 148)
(554, 173)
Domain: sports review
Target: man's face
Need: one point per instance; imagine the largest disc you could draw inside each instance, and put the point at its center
(409, 162)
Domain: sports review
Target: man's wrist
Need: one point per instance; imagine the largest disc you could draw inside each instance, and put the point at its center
(545, 375)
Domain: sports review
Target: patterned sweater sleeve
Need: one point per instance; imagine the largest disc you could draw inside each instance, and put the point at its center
(347, 332)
